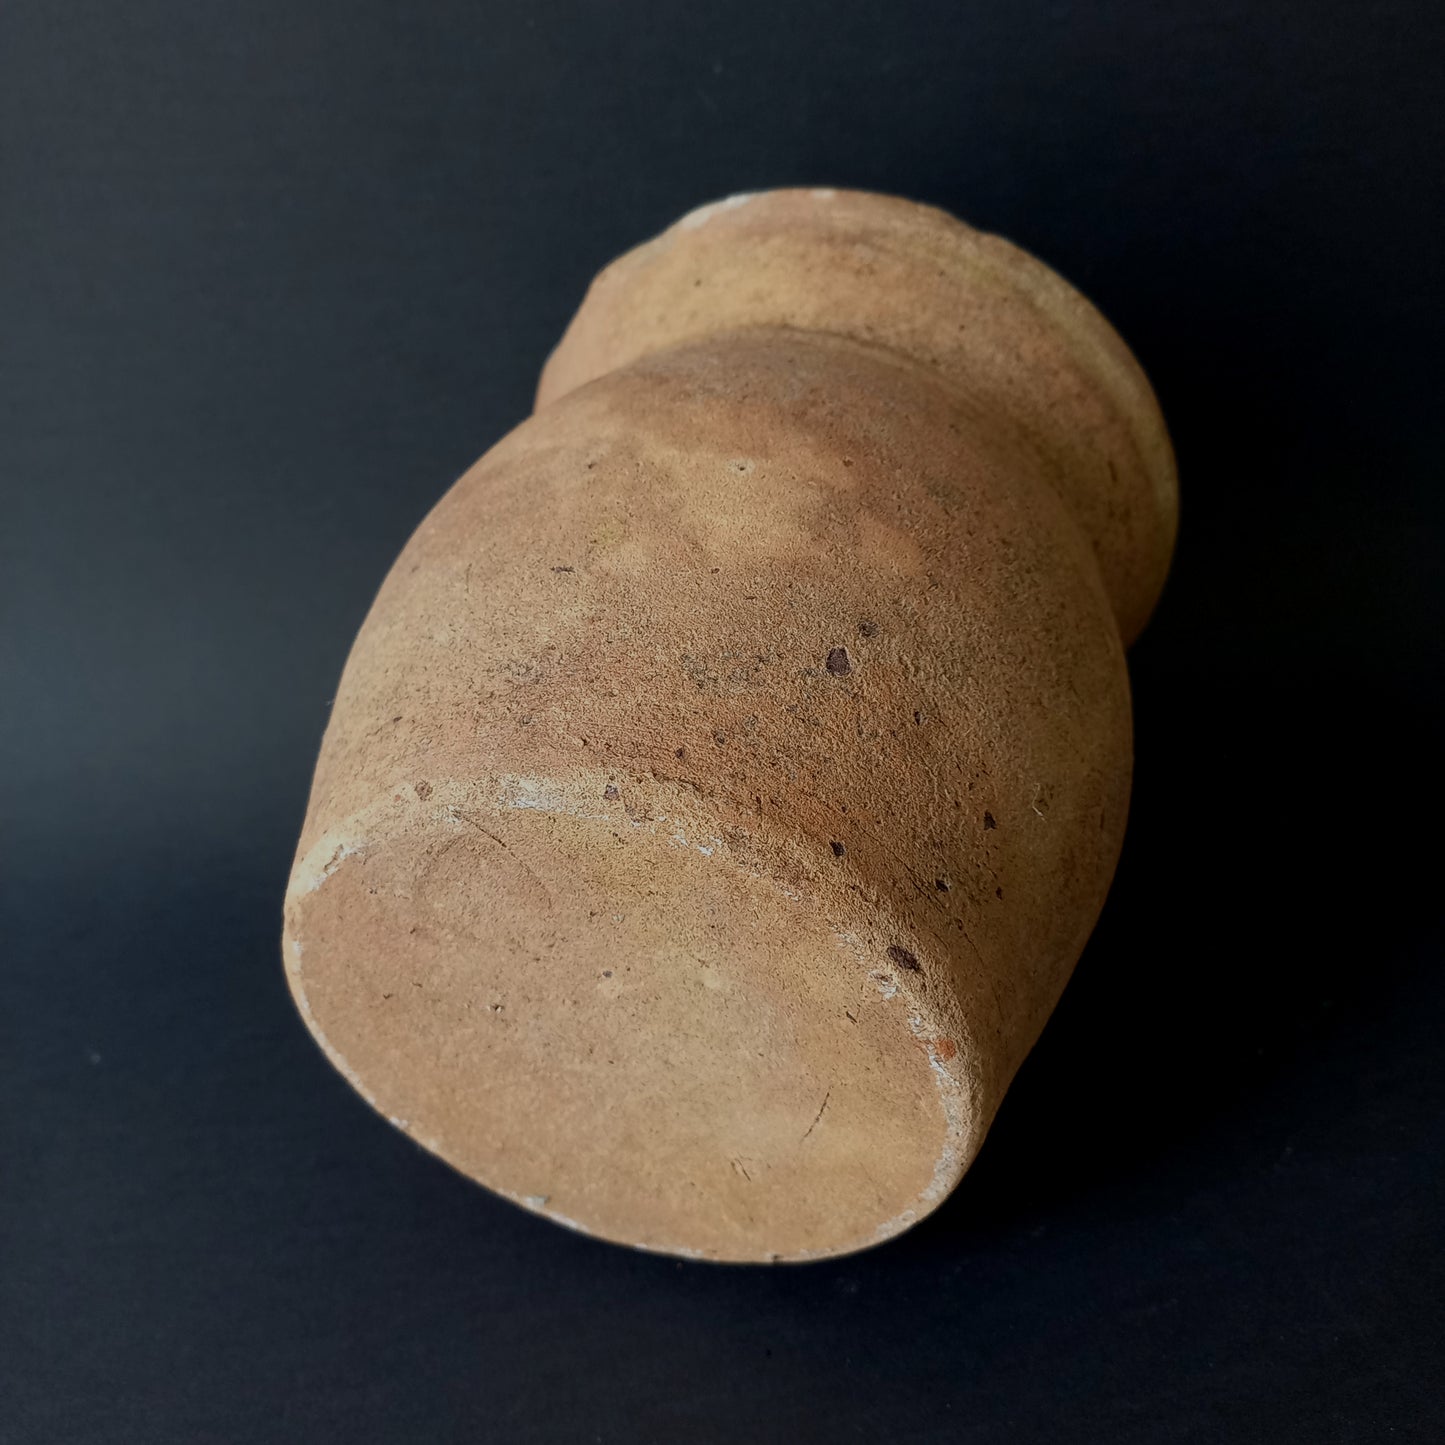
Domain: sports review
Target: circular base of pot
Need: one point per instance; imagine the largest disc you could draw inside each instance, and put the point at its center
(613, 1016)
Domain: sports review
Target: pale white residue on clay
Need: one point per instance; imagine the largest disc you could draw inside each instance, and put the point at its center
(322, 861)
(703, 214)
(947, 1166)
(543, 797)
(401, 1124)
(527, 1200)
(293, 954)
(683, 841)
(530, 793)
(684, 1251)
(824, 193)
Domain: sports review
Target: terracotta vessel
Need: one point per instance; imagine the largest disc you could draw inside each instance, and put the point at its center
(734, 763)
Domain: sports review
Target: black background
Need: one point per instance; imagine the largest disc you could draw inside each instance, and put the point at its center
(271, 276)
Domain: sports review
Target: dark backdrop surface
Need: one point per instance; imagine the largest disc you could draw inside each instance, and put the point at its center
(271, 276)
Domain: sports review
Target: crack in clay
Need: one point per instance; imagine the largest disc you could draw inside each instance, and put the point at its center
(818, 1115)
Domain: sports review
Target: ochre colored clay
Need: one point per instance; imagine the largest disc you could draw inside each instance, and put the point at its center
(733, 765)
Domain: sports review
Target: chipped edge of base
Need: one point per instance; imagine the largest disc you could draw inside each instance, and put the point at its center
(701, 215)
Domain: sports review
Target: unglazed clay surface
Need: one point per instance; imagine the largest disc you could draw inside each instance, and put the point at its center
(733, 765)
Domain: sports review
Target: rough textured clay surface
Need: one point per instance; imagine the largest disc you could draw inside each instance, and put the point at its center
(734, 763)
